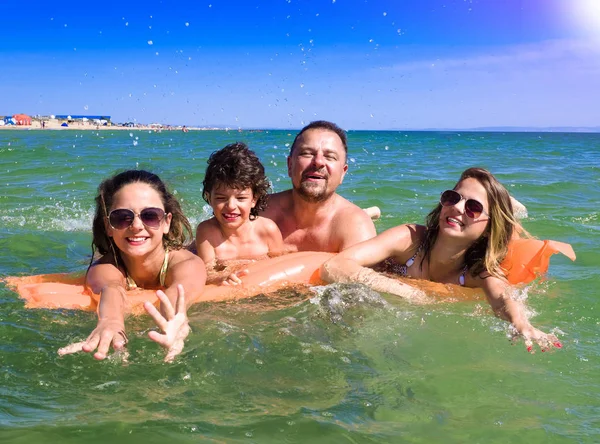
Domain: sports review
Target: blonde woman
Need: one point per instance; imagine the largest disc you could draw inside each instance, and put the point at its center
(463, 242)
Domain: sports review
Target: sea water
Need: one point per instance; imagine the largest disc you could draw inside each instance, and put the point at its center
(344, 364)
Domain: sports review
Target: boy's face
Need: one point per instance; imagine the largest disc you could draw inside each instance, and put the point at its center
(231, 206)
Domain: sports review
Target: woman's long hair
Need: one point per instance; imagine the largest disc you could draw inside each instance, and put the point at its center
(179, 233)
(487, 252)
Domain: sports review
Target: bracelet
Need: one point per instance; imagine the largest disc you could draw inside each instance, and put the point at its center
(122, 333)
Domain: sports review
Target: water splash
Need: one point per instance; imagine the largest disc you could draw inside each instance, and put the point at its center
(336, 299)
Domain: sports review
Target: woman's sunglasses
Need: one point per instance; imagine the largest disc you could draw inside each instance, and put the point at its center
(473, 208)
(123, 218)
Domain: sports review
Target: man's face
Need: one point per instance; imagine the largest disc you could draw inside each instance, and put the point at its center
(317, 165)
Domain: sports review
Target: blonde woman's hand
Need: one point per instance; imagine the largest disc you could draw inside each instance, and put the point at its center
(174, 323)
(545, 341)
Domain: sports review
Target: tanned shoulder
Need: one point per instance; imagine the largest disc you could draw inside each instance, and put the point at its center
(351, 224)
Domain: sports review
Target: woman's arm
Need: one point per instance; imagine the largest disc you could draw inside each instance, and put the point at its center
(107, 281)
(499, 296)
(351, 264)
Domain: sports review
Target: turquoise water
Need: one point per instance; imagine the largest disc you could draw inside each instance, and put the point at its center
(348, 365)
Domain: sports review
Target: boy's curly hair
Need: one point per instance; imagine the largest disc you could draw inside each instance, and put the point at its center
(236, 166)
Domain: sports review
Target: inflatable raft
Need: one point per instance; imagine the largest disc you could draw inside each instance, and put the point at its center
(526, 259)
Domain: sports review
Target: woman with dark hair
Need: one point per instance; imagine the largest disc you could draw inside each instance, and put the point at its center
(139, 235)
(464, 241)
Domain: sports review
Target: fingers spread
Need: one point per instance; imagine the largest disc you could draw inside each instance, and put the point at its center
(155, 314)
(158, 338)
(91, 343)
(105, 341)
(71, 348)
(174, 351)
(165, 304)
(529, 346)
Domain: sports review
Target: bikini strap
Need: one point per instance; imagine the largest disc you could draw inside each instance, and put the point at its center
(131, 285)
(414, 256)
(403, 269)
(163, 269)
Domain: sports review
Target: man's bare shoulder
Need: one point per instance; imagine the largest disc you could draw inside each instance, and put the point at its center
(346, 209)
(277, 203)
(351, 224)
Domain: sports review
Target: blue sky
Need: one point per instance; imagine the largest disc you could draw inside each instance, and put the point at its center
(365, 64)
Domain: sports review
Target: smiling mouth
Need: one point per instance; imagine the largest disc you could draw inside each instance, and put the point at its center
(454, 221)
(230, 216)
(313, 176)
(135, 240)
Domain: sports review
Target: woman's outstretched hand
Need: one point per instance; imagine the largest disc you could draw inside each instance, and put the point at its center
(546, 341)
(174, 323)
(108, 331)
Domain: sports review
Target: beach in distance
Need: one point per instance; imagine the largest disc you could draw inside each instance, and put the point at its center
(79, 125)
(343, 364)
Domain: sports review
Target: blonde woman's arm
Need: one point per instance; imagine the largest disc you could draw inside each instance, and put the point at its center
(500, 296)
(351, 265)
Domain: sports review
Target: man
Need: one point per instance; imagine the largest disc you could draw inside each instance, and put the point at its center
(312, 216)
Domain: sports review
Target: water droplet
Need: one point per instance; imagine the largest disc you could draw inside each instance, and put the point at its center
(150, 42)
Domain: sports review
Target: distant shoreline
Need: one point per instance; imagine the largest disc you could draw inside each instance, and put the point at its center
(91, 127)
(87, 126)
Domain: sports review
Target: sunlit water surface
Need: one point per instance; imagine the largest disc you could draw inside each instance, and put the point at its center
(341, 364)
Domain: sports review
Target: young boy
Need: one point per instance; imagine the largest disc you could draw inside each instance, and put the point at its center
(235, 186)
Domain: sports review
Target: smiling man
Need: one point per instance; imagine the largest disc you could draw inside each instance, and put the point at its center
(312, 216)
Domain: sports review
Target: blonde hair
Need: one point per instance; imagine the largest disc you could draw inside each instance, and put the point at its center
(487, 252)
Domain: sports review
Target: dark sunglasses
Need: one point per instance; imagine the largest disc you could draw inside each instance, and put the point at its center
(473, 208)
(123, 218)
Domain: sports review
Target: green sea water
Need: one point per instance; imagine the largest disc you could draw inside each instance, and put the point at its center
(346, 365)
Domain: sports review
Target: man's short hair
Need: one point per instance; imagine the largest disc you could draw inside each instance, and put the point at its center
(325, 125)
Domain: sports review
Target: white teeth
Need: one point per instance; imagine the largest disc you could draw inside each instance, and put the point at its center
(136, 239)
(456, 221)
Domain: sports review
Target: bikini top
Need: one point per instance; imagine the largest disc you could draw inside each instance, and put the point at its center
(403, 269)
(131, 285)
